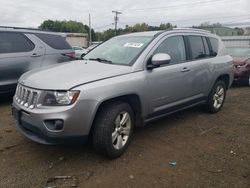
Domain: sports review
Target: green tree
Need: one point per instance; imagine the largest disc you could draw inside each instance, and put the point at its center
(139, 27)
(64, 26)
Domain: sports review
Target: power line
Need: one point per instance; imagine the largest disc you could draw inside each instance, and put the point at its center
(183, 20)
(116, 19)
(239, 17)
(190, 4)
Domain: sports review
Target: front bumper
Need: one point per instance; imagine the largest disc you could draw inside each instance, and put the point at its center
(241, 75)
(77, 123)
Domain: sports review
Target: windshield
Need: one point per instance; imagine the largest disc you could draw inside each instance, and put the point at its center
(239, 52)
(119, 50)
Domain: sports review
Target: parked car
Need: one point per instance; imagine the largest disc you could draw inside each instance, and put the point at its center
(241, 60)
(80, 52)
(22, 50)
(128, 81)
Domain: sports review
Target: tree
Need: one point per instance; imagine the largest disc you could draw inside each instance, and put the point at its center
(247, 31)
(240, 31)
(64, 26)
(166, 26)
(139, 27)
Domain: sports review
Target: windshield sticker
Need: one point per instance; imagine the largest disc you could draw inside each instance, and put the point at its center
(133, 45)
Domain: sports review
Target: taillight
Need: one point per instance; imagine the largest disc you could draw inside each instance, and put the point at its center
(70, 55)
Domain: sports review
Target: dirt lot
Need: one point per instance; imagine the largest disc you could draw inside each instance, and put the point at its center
(210, 151)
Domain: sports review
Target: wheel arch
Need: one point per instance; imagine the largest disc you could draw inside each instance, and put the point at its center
(132, 99)
(225, 78)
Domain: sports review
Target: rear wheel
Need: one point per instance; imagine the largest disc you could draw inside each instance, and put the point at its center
(216, 97)
(113, 129)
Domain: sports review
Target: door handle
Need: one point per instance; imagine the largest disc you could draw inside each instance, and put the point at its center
(35, 55)
(185, 69)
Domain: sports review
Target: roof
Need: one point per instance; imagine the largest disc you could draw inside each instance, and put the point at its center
(145, 34)
(28, 30)
(155, 33)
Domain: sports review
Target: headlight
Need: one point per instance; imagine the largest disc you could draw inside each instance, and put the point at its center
(58, 98)
(240, 66)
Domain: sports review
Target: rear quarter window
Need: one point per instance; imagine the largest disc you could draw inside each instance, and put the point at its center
(54, 41)
(214, 46)
(14, 43)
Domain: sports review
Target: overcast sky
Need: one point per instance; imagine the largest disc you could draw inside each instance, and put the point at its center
(31, 13)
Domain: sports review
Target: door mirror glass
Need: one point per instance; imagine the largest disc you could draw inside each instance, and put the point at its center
(160, 59)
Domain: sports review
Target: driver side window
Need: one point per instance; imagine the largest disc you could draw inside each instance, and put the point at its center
(175, 47)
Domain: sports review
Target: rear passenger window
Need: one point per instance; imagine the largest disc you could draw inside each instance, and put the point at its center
(14, 42)
(175, 47)
(54, 41)
(214, 46)
(197, 47)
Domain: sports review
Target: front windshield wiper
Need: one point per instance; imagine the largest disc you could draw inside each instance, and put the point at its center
(101, 60)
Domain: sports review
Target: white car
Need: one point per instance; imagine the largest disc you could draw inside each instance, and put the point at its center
(80, 52)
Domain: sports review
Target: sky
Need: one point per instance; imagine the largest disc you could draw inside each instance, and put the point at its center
(183, 13)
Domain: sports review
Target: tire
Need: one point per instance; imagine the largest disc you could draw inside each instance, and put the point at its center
(109, 136)
(216, 97)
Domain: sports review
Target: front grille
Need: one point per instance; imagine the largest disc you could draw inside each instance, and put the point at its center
(26, 97)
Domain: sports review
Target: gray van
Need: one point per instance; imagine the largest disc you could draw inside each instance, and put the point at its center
(24, 49)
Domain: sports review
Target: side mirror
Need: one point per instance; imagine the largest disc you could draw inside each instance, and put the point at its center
(159, 59)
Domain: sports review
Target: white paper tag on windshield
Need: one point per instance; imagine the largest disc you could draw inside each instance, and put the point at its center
(133, 45)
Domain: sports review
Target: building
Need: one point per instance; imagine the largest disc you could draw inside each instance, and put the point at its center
(222, 31)
(77, 39)
(236, 41)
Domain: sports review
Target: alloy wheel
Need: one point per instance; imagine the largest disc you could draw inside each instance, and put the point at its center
(121, 133)
(218, 97)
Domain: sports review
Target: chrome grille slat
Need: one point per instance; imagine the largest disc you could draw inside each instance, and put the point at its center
(26, 97)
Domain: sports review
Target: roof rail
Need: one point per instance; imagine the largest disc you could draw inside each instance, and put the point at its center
(32, 29)
(193, 29)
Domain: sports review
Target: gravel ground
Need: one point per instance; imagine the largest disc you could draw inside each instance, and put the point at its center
(210, 150)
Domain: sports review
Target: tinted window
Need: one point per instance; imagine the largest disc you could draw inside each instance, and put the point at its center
(175, 47)
(54, 41)
(197, 47)
(214, 46)
(14, 42)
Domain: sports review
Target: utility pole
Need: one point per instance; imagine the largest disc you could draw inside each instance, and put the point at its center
(116, 20)
(90, 35)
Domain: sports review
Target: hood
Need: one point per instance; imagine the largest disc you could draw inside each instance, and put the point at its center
(240, 60)
(67, 75)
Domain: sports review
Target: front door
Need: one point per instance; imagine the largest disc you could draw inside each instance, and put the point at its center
(169, 85)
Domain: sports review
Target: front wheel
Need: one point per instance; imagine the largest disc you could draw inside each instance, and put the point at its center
(216, 97)
(113, 129)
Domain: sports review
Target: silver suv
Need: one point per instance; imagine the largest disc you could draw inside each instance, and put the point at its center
(125, 82)
(24, 49)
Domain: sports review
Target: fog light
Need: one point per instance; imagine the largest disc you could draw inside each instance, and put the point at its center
(54, 125)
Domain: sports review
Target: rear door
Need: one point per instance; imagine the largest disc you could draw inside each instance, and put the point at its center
(18, 54)
(198, 65)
